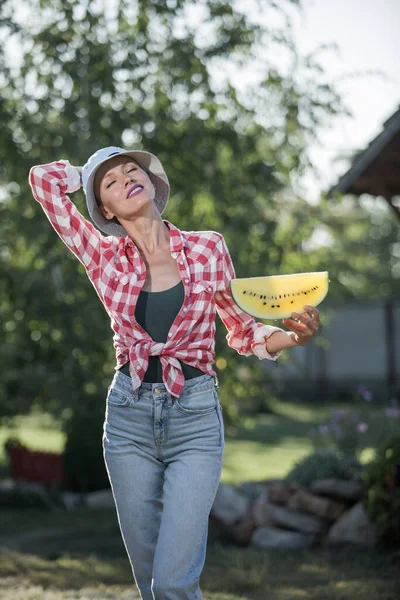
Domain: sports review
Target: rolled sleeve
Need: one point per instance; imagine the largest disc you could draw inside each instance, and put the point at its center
(50, 184)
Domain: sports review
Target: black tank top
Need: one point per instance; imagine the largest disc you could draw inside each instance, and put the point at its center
(155, 312)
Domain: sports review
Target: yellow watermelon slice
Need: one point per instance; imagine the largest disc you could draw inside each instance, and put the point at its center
(277, 296)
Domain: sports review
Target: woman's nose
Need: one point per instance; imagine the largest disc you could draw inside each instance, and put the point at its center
(129, 177)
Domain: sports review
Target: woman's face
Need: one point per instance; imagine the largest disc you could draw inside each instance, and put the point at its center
(123, 187)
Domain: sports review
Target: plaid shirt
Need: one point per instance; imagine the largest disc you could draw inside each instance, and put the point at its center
(117, 272)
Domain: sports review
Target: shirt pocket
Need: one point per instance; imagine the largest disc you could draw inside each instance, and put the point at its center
(115, 291)
(201, 298)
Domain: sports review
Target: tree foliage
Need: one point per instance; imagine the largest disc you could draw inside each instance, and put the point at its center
(153, 75)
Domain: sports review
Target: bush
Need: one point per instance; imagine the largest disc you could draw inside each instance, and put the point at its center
(351, 431)
(382, 503)
(324, 465)
(84, 466)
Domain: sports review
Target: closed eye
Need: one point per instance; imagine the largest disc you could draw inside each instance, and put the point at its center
(133, 169)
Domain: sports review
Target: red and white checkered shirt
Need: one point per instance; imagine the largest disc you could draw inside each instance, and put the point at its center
(117, 272)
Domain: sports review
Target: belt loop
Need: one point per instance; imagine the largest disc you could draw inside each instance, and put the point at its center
(216, 382)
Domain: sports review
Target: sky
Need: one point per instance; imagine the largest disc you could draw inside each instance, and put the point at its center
(367, 35)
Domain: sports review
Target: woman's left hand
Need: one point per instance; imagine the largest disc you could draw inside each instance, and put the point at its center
(307, 328)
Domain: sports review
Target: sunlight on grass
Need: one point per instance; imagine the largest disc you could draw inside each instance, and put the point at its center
(34, 438)
(315, 569)
(304, 413)
(250, 461)
(294, 592)
(230, 573)
(262, 446)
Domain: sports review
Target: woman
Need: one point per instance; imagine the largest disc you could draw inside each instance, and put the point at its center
(163, 435)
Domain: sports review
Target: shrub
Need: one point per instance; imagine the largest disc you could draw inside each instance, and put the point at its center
(324, 465)
(84, 466)
(382, 503)
(350, 432)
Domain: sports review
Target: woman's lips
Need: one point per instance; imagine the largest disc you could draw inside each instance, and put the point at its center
(136, 191)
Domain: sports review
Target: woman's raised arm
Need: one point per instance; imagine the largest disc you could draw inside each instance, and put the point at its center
(50, 184)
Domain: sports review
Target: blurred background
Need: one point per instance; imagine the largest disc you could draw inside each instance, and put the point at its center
(278, 123)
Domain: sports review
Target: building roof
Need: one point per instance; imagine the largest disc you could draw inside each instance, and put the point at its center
(376, 170)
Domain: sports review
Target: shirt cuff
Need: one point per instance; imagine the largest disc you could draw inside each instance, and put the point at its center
(260, 337)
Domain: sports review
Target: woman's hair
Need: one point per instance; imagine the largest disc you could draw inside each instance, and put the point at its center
(99, 202)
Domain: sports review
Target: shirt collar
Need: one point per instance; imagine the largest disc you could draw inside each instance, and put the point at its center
(177, 240)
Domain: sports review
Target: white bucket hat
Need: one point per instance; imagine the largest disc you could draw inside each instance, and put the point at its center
(145, 159)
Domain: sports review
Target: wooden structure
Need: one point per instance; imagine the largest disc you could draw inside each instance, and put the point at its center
(376, 170)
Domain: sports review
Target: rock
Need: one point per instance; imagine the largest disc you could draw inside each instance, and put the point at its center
(72, 500)
(229, 504)
(294, 519)
(270, 537)
(281, 493)
(242, 531)
(7, 484)
(274, 482)
(353, 527)
(252, 489)
(316, 505)
(99, 499)
(259, 510)
(339, 489)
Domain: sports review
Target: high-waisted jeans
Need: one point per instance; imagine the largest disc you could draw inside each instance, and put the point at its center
(164, 459)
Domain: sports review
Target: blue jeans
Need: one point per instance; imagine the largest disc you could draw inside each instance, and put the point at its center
(164, 459)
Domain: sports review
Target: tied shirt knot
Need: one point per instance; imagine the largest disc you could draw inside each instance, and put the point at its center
(139, 354)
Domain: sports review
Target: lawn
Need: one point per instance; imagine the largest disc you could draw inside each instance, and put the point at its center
(266, 445)
(63, 555)
(85, 559)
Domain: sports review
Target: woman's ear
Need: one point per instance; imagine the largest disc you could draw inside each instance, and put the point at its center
(104, 213)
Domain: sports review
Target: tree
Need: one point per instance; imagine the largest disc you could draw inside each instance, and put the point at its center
(147, 77)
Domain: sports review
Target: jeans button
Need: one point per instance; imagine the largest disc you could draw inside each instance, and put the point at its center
(157, 391)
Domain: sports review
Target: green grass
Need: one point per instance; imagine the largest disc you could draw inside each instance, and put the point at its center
(266, 446)
(263, 446)
(59, 555)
